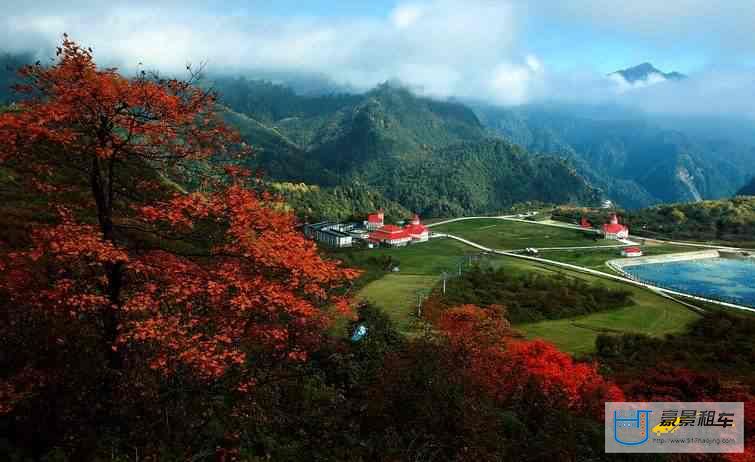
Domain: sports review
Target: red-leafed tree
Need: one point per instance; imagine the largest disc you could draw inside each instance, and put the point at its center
(531, 373)
(217, 282)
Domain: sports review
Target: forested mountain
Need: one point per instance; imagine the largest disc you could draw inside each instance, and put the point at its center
(349, 202)
(731, 220)
(432, 157)
(9, 65)
(645, 71)
(633, 160)
(748, 189)
(726, 219)
(409, 148)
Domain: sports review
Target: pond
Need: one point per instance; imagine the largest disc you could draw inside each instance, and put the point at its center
(715, 278)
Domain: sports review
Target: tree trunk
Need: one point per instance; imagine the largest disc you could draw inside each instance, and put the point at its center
(102, 191)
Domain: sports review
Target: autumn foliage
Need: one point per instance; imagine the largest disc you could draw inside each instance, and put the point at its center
(216, 282)
(157, 304)
(516, 371)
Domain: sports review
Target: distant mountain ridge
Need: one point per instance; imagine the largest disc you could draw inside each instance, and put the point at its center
(433, 157)
(386, 139)
(748, 189)
(644, 71)
(634, 161)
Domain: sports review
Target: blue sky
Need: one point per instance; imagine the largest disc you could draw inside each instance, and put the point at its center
(560, 43)
(502, 51)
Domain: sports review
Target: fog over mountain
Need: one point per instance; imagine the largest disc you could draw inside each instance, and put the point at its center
(503, 52)
(634, 97)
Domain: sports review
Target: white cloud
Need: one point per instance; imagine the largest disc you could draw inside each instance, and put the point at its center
(623, 85)
(514, 84)
(723, 25)
(445, 47)
(404, 16)
(463, 48)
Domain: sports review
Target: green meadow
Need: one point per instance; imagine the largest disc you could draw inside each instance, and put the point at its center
(421, 266)
(506, 235)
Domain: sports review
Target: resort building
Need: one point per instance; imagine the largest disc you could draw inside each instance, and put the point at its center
(614, 230)
(330, 233)
(396, 236)
(375, 221)
(631, 252)
(585, 223)
(391, 235)
(417, 231)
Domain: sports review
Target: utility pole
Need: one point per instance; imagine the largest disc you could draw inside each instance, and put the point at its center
(445, 276)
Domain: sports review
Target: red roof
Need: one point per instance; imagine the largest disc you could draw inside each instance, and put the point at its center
(380, 235)
(389, 229)
(632, 249)
(374, 218)
(613, 228)
(389, 232)
(416, 229)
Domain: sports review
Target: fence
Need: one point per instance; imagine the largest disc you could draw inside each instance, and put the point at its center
(705, 296)
(463, 264)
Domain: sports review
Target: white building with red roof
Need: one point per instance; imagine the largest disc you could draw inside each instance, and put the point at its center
(417, 231)
(631, 252)
(375, 220)
(396, 236)
(391, 235)
(615, 230)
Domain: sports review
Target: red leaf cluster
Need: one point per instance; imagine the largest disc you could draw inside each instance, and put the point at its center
(210, 282)
(517, 371)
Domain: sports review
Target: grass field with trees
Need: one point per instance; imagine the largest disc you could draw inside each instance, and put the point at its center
(596, 258)
(421, 266)
(507, 235)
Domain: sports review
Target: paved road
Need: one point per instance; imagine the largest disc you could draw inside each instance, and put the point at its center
(693, 244)
(569, 226)
(513, 218)
(663, 292)
(452, 220)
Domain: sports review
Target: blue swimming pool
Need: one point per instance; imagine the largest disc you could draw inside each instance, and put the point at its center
(716, 278)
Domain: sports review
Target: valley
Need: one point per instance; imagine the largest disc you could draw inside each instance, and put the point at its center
(337, 241)
(414, 273)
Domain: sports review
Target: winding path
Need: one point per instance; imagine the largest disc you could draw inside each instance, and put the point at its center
(660, 291)
(569, 226)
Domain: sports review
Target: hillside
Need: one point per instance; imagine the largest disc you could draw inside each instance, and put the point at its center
(730, 220)
(645, 71)
(634, 161)
(432, 157)
(748, 189)
(383, 137)
(727, 220)
(313, 203)
(9, 63)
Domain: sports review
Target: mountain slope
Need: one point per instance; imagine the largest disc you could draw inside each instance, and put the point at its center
(646, 71)
(748, 189)
(432, 157)
(633, 161)
(477, 177)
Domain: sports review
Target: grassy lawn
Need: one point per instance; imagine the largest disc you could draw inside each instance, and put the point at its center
(396, 294)
(651, 315)
(432, 257)
(422, 264)
(502, 234)
(596, 258)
